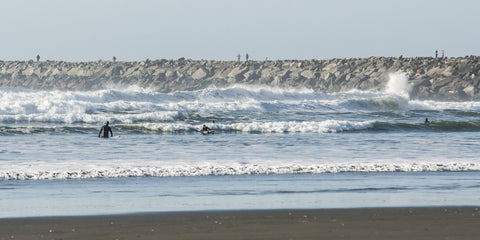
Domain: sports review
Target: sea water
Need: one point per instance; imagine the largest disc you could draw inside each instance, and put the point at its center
(272, 148)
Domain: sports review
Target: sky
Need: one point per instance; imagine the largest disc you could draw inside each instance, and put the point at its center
(91, 30)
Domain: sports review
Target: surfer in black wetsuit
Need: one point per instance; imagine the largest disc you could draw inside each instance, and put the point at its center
(426, 121)
(105, 129)
(205, 128)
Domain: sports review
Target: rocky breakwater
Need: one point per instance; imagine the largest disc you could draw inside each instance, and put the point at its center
(431, 78)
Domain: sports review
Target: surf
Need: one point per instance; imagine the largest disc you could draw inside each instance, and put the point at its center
(236, 109)
(124, 172)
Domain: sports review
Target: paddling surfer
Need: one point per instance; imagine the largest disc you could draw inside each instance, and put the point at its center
(205, 128)
(105, 129)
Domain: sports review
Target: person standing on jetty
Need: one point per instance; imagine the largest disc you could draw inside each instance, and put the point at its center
(38, 57)
(105, 129)
(246, 57)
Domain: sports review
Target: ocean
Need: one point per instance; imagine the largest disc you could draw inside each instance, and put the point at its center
(273, 148)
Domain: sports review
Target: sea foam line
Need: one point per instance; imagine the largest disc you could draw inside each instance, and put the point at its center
(326, 126)
(238, 170)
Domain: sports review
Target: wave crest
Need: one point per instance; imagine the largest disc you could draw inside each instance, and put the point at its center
(235, 170)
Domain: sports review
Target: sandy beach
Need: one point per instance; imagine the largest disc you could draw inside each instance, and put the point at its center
(370, 223)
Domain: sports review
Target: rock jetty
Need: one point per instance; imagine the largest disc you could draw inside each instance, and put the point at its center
(432, 78)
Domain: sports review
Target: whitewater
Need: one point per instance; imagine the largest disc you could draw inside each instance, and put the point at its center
(263, 135)
(238, 114)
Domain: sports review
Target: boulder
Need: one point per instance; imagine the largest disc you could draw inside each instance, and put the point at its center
(199, 74)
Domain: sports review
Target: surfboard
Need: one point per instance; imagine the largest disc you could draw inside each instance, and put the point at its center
(207, 132)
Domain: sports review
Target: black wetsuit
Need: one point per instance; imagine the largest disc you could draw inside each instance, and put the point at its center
(105, 129)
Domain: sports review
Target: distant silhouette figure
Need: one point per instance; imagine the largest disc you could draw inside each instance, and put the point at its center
(238, 58)
(436, 53)
(38, 57)
(114, 59)
(426, 120)
(246, 57)
(105, 129)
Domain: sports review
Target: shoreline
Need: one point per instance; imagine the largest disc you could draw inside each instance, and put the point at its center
(355, 223)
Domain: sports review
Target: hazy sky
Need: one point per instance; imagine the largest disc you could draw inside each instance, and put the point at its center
(89, 30)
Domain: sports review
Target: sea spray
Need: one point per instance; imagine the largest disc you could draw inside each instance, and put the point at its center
(398, 84)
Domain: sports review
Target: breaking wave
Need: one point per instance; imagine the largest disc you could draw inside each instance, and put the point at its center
(240, 108)
(234, 170)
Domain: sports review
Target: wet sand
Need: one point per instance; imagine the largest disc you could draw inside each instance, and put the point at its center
(371, 223)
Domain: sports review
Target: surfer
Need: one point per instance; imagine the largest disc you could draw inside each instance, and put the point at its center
(105, 129)
(426, 121)
(205, 128)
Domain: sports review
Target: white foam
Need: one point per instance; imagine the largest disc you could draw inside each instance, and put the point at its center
(238, 169)
(326, 126)
(299, 127)
(398, 84)
(134, 104)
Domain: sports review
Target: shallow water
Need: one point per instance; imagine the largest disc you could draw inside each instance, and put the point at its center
(86, 156)
(153, 194)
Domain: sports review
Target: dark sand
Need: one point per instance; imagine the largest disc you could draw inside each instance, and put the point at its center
(382, 223)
